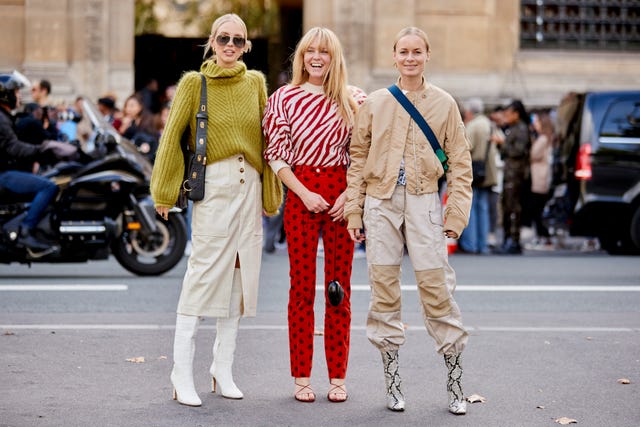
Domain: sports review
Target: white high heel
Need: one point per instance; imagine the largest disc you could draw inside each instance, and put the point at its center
(224, 345)
(184, 347)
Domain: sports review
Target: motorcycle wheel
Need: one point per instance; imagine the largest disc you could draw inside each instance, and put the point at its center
(156, 254)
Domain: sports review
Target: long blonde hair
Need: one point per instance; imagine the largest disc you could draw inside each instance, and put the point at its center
(229, 17)
(335, 80)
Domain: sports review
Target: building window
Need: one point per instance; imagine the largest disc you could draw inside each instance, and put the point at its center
(580, 24)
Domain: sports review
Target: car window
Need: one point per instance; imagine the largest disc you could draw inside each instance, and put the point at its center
(622, 119)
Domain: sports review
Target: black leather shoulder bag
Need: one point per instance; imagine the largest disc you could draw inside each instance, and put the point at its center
(195, 164)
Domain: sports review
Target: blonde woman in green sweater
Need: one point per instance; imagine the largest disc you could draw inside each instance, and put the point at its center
(223, 270)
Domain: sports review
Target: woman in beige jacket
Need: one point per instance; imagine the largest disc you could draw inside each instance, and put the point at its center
(393, 190)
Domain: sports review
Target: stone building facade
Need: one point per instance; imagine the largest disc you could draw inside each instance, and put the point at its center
(476, 45)
(81, 46)
(87, 46)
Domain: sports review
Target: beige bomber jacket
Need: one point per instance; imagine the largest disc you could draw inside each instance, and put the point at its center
(384, 133)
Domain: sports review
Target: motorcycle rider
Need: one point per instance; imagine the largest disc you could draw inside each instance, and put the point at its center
(12, 148)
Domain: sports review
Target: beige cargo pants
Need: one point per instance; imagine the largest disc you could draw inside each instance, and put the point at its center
(416, 221)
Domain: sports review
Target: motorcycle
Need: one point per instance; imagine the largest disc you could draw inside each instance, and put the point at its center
(103, 207)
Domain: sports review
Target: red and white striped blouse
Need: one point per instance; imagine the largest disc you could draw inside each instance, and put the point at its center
(303, 127)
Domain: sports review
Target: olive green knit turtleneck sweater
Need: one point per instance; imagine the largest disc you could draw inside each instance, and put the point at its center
(236, 98)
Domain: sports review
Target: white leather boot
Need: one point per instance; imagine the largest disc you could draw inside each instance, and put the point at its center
(457, 404)
(184, 346)
(224, 346)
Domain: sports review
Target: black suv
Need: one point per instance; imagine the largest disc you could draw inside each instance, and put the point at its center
(597, 169)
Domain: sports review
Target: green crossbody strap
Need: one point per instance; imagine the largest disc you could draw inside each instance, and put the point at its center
(422, 123)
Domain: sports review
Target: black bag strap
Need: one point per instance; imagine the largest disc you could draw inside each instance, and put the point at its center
(200, 158)
(201, 125)
(421, 122)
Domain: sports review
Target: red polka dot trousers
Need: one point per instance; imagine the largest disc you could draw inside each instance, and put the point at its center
(302, 229)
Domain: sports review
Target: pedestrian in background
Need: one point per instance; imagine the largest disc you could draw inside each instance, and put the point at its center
(308, 128)
(40, 93)
(540, 159)
(140, 126)
(474, 238)
(515, 154)
(393, 191)
(107, 107)
(223, 270)
(497, 137)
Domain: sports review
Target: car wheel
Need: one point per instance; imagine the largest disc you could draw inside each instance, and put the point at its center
(619, 245)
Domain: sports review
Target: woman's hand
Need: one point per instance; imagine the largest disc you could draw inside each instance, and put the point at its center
(356, 234)
(163, 212)
(451, 233)
(337, 211)
(314, 202)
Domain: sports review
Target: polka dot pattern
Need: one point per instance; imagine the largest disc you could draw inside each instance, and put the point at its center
(302, 229)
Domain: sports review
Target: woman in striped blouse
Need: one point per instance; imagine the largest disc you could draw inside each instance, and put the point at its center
(307, 125)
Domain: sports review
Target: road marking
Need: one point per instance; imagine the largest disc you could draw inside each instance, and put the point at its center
(58, 288)
(354, 288)
(517, 288)
(152, 327)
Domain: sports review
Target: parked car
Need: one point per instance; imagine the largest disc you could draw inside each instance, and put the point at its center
(597, 169)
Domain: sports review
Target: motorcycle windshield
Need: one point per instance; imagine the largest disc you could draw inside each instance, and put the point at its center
(102, 127)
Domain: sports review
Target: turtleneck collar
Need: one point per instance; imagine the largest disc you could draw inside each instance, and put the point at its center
(212, 70)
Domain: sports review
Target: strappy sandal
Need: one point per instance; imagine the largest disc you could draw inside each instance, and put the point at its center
(337, 393)
(304, 391)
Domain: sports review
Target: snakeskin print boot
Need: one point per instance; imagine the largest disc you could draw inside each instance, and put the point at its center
(395, 398)
(457, 404)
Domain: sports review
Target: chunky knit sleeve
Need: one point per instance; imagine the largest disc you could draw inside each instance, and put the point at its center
(168, 169)
(272, 193)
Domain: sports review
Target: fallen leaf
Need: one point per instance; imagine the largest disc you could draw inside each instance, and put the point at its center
(8, 333)
(162, 358)
(589, 338)
(139, 359)
(566, 421)
(318, 332)
(624, 381)
(475, 398)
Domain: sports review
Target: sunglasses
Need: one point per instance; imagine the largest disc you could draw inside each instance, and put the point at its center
(238, 42)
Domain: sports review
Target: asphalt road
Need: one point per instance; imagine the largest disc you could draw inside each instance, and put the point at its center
(551, 335)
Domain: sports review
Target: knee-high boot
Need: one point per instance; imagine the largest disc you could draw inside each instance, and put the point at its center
(184, 346)
(457, 404)
(395, 397)
(224, 345)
